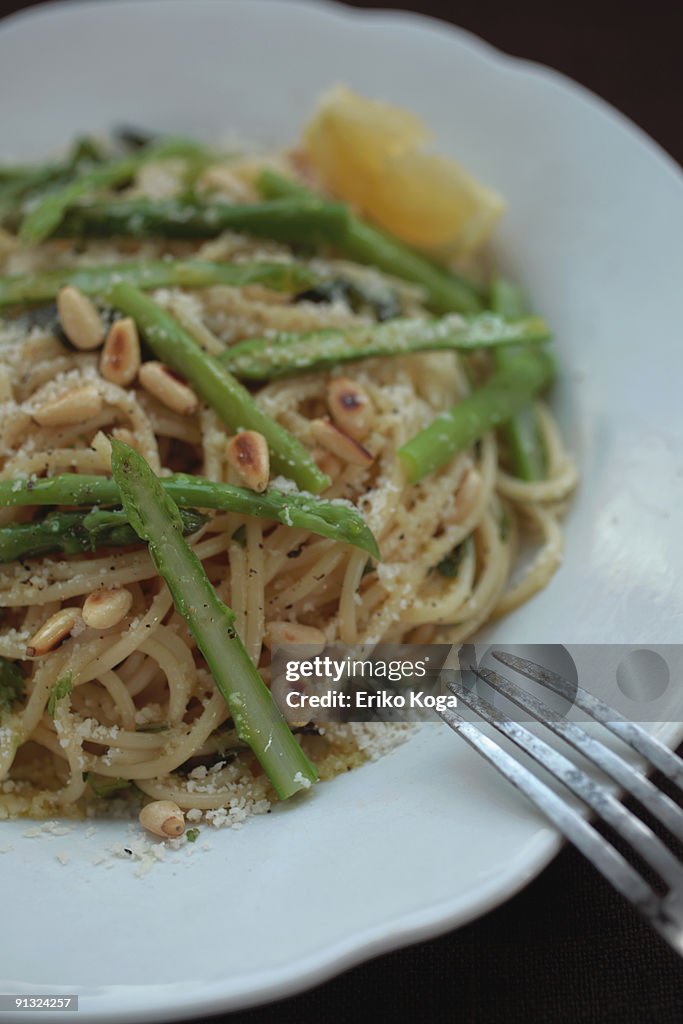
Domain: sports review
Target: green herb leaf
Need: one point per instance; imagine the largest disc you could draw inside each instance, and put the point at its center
(450, 565)
(192, 835)
(104, 787)
(60, 690)
(11, 684)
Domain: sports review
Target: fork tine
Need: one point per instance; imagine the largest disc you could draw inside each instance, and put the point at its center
(654, 750)
(577, 829)
(657, 803)
(605, 805)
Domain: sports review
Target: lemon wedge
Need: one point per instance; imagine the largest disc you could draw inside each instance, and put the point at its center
(373, 155)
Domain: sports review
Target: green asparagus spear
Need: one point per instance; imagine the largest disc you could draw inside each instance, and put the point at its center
(27, 289)
(18, 183)
(74, 532)
(338, 522)
(446, 292)
(504, 394)
(290, 217)
(15, 187)
(507, 298)
(217, 387)
(257, 719)
(13, 172)
(521, 433)
(266, 358)
(293, 221)
(84, 148)
(47, 215)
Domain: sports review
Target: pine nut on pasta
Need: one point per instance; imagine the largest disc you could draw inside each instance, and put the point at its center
(80, 320)
(75, 406)
(350, 407)
(171, 392)
(120, 359)
(57, 628)
(247, 452)
(105, 608)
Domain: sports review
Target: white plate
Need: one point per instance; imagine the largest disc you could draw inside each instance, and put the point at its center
(427, 838)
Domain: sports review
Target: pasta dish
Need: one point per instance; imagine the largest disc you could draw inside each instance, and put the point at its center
(249, 399)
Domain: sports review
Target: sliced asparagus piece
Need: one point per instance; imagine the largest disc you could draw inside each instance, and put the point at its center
(503, 395)
(287, 353)
(338, 522)
(42, 286)
(258, 721)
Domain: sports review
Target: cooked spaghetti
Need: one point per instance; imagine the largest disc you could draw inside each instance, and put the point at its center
(141, 705)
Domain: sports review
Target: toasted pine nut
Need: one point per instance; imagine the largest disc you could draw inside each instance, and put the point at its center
(51, 633)
(79, 317)
(163, 818)
(105, 608)
(294, 633)
(340, 444)
(75, 406)
(350, 407)
(120, 360)
(247, 452)
(171, 392)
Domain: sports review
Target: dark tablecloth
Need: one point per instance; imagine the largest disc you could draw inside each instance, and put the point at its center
(566, 950)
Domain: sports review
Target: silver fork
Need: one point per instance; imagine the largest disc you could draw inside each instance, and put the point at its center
(664, 911)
